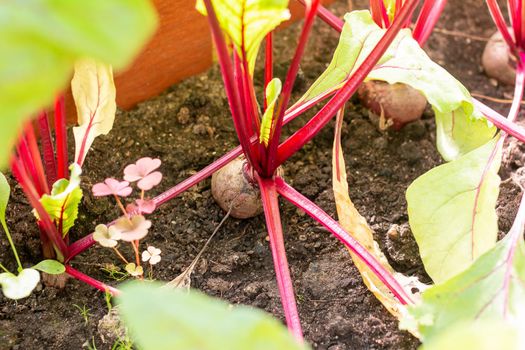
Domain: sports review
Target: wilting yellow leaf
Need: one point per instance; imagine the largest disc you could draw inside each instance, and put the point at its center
(357, 227)
(94, 93)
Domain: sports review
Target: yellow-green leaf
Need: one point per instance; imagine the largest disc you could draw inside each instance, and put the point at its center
(273, 89)
(62, 203)
(492, 289)
(94, 93)
(246, 22)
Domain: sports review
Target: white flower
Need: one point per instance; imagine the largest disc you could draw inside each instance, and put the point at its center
(152, 255)
(132, 229)
(134, 270)
(106, 236)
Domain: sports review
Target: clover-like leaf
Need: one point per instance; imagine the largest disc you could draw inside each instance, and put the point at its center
(18, 287)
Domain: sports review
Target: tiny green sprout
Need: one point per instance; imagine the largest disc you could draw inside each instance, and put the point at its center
(107, 298)
(84, 312)
(134, 270)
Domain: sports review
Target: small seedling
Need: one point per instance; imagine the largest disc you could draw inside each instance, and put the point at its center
(84, 312)
(132, 226)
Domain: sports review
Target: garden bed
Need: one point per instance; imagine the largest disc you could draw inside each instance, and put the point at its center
(189, 126)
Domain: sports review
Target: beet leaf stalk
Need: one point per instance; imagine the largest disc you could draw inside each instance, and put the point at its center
(262, 148)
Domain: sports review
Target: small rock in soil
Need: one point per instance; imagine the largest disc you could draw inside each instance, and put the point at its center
(401, 246)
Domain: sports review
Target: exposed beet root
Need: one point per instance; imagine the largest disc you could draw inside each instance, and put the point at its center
(397, 104)
(497, 61)
(231, 184)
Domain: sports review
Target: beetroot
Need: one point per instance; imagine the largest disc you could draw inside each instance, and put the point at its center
(497, 61)
(231, 185)
(397, 104)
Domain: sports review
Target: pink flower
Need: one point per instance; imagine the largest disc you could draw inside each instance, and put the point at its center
(143, 172)
(112, 187)
(132, 229)
(141, 206)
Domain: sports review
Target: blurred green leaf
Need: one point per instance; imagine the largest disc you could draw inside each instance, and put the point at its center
(161, 318)
(42, 39)
(5, 192)
(481, 335)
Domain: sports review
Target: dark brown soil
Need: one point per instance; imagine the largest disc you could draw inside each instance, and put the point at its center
(188, 127)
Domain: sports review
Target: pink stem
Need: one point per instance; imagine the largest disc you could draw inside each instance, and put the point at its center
(230, 86)
(84, 243)
(268, 64)
(314, 125)
(80, 246)
(28, 164)
(500, 121)
(495, 12)
(384, 14)
(427, 20)
(375, 10)
(34, 200)
(37, 158)
(328, 17)
(91, 281)
(61, 138)
(284, 99)
(47, 149)
(282, 272)
(324, 219)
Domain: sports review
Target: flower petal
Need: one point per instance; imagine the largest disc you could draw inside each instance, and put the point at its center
(154, 259)
(146, 255)
(150, 181)
(131, 173)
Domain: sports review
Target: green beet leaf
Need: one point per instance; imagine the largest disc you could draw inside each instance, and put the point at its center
(160, 318)
(491, 289)
(451, 211)
(62, 203)
(267, 123)
(250, 20)
(42, 39)
(460, 128)
(480, 335)
(51, 267)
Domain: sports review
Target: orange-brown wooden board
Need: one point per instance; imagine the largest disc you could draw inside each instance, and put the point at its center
(180, 48)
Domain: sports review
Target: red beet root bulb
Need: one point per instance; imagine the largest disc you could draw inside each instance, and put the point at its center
(231, 185)
(497, 61)
(396, 104)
